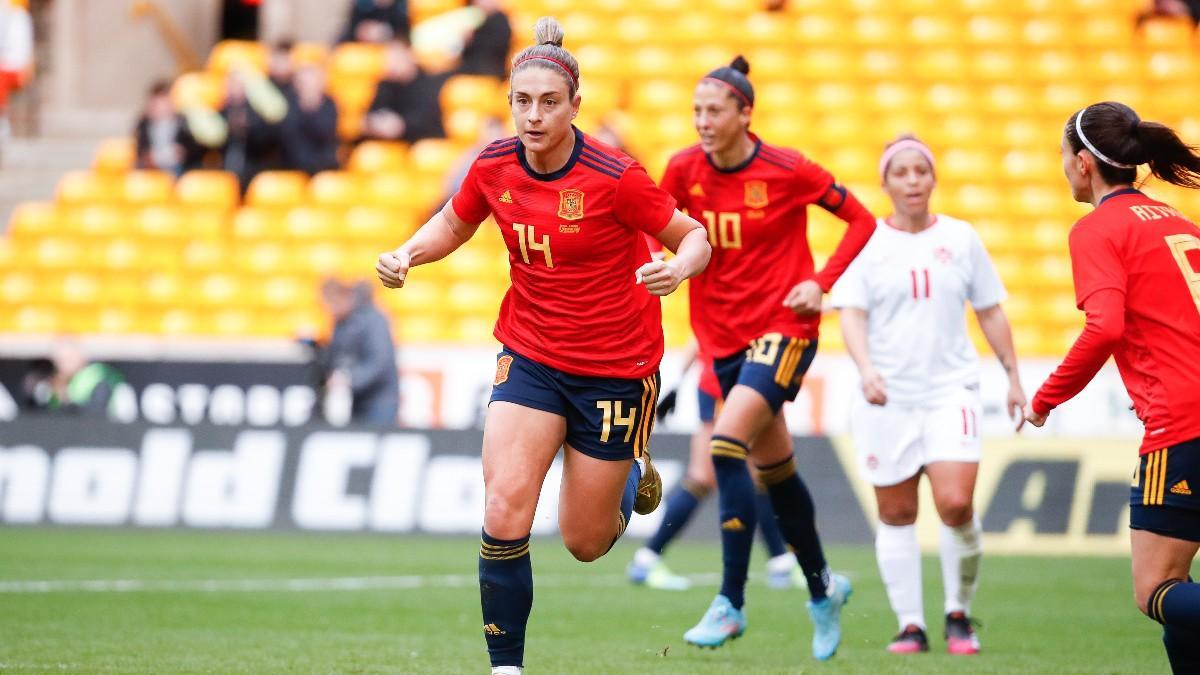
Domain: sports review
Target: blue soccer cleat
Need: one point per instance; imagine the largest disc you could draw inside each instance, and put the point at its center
(720, 623)
(657, 576)
(826, 616)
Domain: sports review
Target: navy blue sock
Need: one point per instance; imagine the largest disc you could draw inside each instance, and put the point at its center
(1183, 650)
(768, 525)
(736, 497)
(681, 504)
(1176, 603)
(506, 593)
(797, 521)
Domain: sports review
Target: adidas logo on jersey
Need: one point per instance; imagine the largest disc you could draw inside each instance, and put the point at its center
(696, 190)
(733, 525)
(1181, 488)
(506, 198)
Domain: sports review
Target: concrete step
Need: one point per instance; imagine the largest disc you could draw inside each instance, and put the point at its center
(31, 168)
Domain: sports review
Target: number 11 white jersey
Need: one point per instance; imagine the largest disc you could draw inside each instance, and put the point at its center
(914, 288)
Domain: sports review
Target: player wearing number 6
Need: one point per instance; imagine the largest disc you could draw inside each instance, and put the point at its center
(756, 310)
(1136, 263)
(903, 306)
(581, 328)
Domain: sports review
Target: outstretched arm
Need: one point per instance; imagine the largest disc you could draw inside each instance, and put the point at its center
(436, 239)
(994, 324)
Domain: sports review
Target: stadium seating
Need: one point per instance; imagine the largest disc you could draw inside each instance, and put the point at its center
(988, 83)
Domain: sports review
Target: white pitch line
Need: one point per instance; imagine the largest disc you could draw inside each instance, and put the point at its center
(303, 585)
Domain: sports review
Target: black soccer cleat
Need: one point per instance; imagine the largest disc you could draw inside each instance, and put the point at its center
(960, 635)
(911, 640)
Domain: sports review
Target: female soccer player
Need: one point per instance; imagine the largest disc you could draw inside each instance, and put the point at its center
(647, 566)
(581, 328)
(903, 318)
(757, 310)
(1136, 263)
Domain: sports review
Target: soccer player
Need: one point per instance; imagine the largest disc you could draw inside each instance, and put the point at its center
(581, 328)
(647, 566)
(1136, 264)
(903, 305)
(757, 310)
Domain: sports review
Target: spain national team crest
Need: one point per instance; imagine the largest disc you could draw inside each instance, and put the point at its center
(502, 366)
(756, 194)
(570, 204)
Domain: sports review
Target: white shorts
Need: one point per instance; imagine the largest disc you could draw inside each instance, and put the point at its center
(895, 441)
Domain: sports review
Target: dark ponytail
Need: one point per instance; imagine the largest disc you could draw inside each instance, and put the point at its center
(1117, 136)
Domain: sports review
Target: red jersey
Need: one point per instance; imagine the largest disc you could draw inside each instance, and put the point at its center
(757, 220)
(1149, 254)
(708, 383)
(575, 240)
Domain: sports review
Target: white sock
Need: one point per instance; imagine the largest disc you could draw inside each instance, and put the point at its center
(644, 557)
(784, 562)
(899, 559)
(961, 549)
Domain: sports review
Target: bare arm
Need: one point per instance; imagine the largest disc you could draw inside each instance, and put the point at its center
(688, 240)
(436, 239)
(994, 324)
(854, 333)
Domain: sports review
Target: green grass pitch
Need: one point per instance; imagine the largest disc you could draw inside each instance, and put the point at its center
(410, 605)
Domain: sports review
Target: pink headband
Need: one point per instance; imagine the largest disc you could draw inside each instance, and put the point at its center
(901, 146)
(731, 88)
(556, 62)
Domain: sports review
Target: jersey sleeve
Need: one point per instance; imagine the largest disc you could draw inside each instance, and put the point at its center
(986, 289)
(812, 183)
(851, 289)
(672, 182)
(641, 204)
(1096, 264)
(469, 203)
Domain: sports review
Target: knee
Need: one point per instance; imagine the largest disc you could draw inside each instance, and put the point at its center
(586, 549)
(898, 514)
(505, 515)
(956, 509)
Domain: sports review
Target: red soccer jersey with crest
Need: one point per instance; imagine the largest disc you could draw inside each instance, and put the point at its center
(575, 239)
(1149, 253)
(757, 220)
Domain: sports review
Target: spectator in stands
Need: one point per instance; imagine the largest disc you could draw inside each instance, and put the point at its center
(164, 141)
(406, 106)
(253, 113)
(486, 49)
(79, 386)
(377, 21)
(1170, 8)
(16, 56)
(281, 69)
(310, 139)
(361, 356)
(239, 19)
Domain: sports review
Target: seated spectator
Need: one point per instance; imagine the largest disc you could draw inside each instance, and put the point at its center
(252, 113)
(406, 106)
(280, 67)
(310, 139)
(164, 141)
(79, 386)
(486, 49)
(377, 21)
(1189, 9)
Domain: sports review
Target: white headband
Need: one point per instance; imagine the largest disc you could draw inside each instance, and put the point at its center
(1088, 144)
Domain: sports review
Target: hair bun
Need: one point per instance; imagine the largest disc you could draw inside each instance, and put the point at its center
(740, 64)
(548, 31)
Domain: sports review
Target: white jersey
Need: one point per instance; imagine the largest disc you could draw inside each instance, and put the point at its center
(914, 288)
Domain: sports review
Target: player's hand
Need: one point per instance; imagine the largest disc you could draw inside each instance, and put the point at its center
(874, 388)
(1032, 417)
(393, 267)
(1016, 405)
(805, 298)
(666, 405)
(659, 277)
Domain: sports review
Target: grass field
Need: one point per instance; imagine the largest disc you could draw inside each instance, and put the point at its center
(286, 603)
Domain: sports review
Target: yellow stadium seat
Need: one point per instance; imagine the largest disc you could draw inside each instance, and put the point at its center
(875, 30)
(656, 97)
(37, 319)
(233, 54)
(85, 187)
(115, 155)
(178, 321)
(124, 255)
(995, 65)
(163, 222)
(144, 188)
(821, 29)
(465, 125)
(635, 29)
(280, 189)
(1046, 32)
(209, 189)
(118, 321)
(357, 60)
(477, 92)
(372, 224)
(992, 31)
(378, 156)
(204, 256)
(34, 219)
(943, 65)
(203, 90)
(933, 30)
(79, 288)
(260, 258)
(309, 53)
(258, 223)
(1167, 34)
(1172, 67)
(311, 223)
(219, 289)
(335, 189)
(434, 156)
(164, 289)
(760, 29)
(206, 222)
(100, 220)
(1103, 30)
(17, 288)
(58, 253)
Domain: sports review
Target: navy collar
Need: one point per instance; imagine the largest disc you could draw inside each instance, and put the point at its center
(553, 175)
(1119, 193)
(739, 167)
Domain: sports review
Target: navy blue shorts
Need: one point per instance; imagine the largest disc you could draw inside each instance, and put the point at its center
(708, 405)
(773, 365)
(1162, 498)
(608, 418)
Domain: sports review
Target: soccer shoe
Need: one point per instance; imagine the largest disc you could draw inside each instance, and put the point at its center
(506, 670)
(657, 576)
(649, 489)
(960, 635)
(789, 578)
(826, 617)
(720, 623)
(911, 640)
